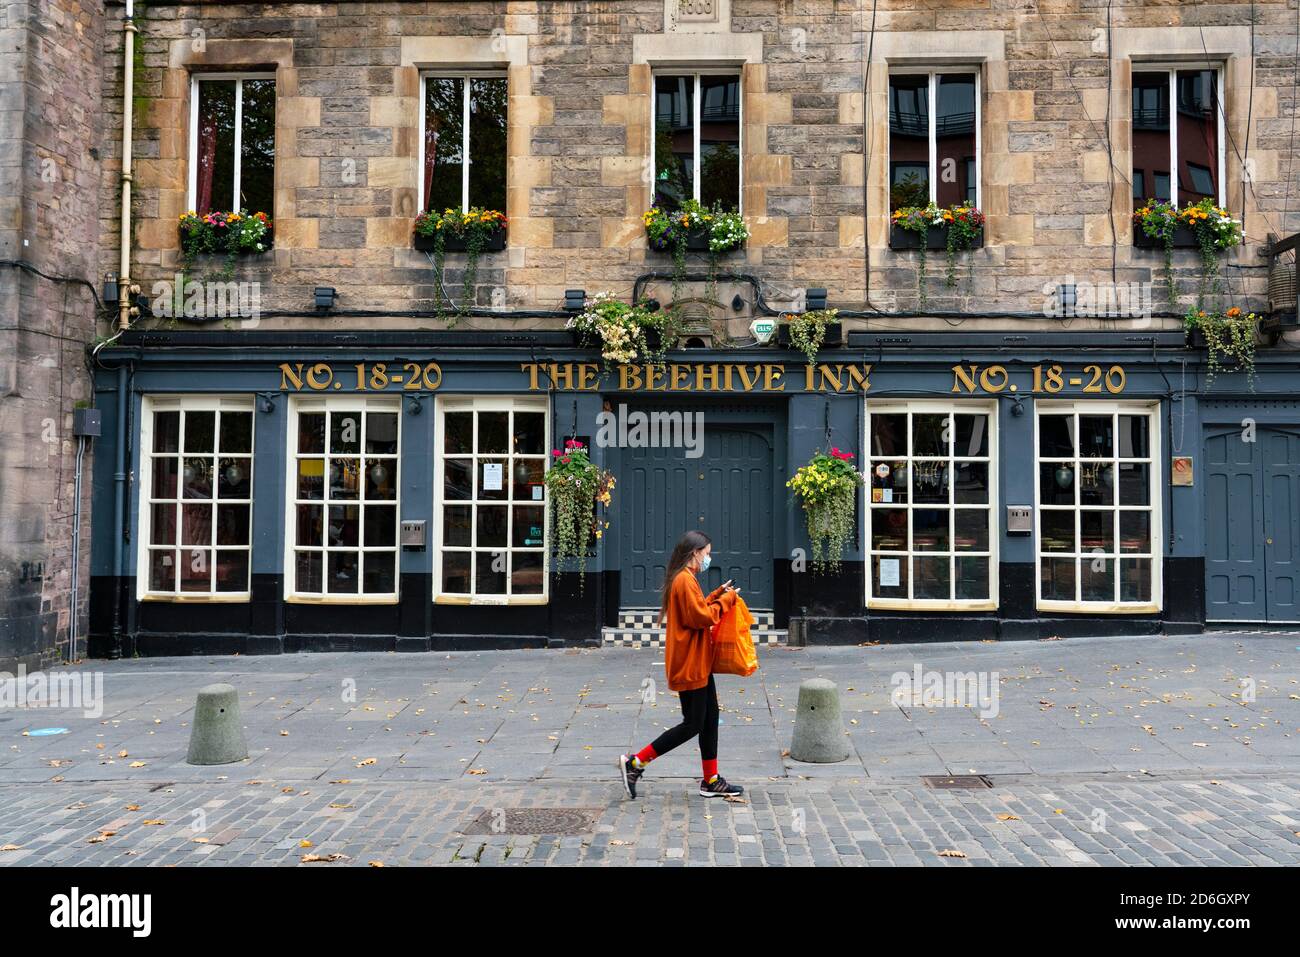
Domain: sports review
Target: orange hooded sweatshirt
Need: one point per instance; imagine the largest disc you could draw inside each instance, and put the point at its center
(688, 647)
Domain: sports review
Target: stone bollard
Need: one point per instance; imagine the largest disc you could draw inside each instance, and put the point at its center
(217, 736)
(818, 728)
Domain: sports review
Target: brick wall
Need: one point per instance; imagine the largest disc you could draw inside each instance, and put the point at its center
(49, 193)
(815, 90)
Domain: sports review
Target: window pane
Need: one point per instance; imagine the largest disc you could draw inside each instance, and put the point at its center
(1150, 137)
(530, 433)
(381, 433)
(489, 573)
(381, 479)
(1133, 436)
(344, 526)
(257, 148)
(311, 432)
(526, 576)
(1135, 531)
(232, 524)
(200, 431)
(972, 483)
(930, 482)
(954, 134)
(455, 572)
(311, 478)
(493, 432)
(487, 143)
(972, 578)
(889, 434)
(233, 478)
(1198, 136)
(307, 572)
(164, 477)
(889, 482)
(456, 524)
(444, 135)
(197, 475)
(527, 480)
(343, 572)
(930, 578)
(232, 570)
(379, 574)
(215, 159)
(909, 141)
(1097, 483)
(720, 141)
(162, 525)
(196, 570)
(456, 478)
(930, 434)
(1134, 483)
(345, 478)
(930, 529)
(971, 437)
(196, 524)
(492, 478)
(459, 432)
(1135, 580)
(1096, 531)
(381, 526)
(236, 431)
(674, 140)
(889, 529)
(971, 529)
(1056, 436)
(166, 431)
(528, 528)
(1056, 531)
(1056, 483)
(1098, 579)
(162, 571)
(1057, 579)
(1096, 436)
(345, 432)
(310, 525)
(492, 525)
(891, 570)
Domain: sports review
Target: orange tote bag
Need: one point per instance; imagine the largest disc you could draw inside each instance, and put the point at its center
(733, 645)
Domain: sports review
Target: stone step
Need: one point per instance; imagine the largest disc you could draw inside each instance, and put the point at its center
(654, 637)
(649, 617)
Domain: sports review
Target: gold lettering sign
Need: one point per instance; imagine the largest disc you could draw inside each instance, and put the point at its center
(697, 377)
(362, 377)
(1048, 379)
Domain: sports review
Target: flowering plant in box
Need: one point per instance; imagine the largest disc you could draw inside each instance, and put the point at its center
(963, 224)
(1230, 333)
(827, 488)
(623, 330)
(1215, 231)
(473, 227)
(575, 485)
(231, 233)
(670, 230)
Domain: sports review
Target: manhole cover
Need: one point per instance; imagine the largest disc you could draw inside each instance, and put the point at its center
(535, 820)
(945, 781)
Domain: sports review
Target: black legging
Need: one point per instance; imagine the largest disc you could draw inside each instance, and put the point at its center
(699, 716)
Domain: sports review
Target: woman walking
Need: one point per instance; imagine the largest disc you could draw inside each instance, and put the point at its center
(688, 616)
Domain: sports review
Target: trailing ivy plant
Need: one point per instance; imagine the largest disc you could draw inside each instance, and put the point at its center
(965, 225)
(1215, 232)
(827, 487)
(918, 220)
(808, 331)
(670, 231)
(474, 227)
(1229, 334)
(574, 487)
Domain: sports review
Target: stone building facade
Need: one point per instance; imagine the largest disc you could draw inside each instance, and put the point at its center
(50, 150)
(1053, 170)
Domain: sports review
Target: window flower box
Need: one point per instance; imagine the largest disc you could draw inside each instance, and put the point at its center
(936, 237)
(229, 234)
(1184, 237)
(834, 334)
(455, 243)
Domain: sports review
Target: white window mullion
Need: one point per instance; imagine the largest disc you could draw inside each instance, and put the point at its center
(699, 165)
(239, 143)
(464, 149)
(1173, 137)
(932, 110)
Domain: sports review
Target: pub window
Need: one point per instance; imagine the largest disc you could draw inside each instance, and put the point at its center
(1177, 154)
(931, 499)
(196, 497)
(1098, 509)
(232, 143)
(696, 123)
(343, 500)
(934, 139)
(464, 142)
(491, 508)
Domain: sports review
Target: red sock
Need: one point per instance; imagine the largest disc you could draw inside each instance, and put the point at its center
(646, 754)
(710, 768)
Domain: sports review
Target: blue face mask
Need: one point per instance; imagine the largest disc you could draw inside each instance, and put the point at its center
(705, 561)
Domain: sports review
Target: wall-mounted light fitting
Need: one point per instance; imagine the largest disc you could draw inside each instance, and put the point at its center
(814, 298)
(575, 300)
(325, 297)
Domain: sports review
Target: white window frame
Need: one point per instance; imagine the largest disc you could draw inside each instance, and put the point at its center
(1155, 508)
(333, 404)
(933, 73)
(941, 407)
(239, 78)
(695, 73)
(466, 76)
(476, 404)
(1172, 70)
(151, 406)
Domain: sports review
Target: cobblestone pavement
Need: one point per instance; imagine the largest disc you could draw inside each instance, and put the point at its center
(1101, 752)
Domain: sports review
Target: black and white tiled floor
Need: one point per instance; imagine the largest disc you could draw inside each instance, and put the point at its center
(639, 628)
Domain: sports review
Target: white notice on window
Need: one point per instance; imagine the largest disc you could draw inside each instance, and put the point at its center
(889, 573)
(491, 476)
(886, 494)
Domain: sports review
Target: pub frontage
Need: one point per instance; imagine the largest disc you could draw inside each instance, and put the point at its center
(285, 491)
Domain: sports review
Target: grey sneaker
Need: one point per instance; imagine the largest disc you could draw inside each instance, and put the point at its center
(720, 788)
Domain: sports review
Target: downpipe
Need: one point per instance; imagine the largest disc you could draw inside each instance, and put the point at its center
(128, 94)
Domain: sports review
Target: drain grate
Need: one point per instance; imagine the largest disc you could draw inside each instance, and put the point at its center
(535, 820)
(945, 782)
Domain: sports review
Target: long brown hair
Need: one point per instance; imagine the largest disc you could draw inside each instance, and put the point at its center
(687, 545)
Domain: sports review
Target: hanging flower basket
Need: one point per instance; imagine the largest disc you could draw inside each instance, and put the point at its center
(1229, 340)
(827, 488)
(575, 486)
(627, 333)
(810, 332)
